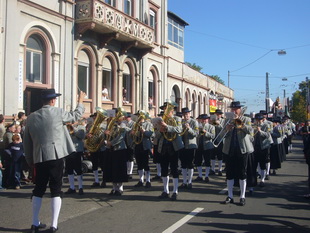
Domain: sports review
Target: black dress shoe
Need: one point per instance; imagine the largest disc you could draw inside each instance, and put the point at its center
(164, 195)
(242, 202)
(261, 184)
(139, 184)
(211, 173)
(129, 177)
(198, 179)
(148, 185)
(228, 200)
(156, 178)
(174, 197)
(53, 229)
(183, 186)
(81, 191)
(207, 179)
(35, 229)
(118, 193)
(95, 184)
(267, 177)
(220, 173)
(112, 192)
(70, 191)
(189, 186)
(103, 184)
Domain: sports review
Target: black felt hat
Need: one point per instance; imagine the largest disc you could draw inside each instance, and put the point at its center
(185, 110)
(235, 104)
(49, 94)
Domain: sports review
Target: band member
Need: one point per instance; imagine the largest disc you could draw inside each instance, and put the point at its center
(205, 146)
(96, 158)
(129, 143)
(290, 131)
(237, 145)
(156, 155)
(115, 161)
(74, 161)
(275, 150)
(46, 143)
(262, 142)
(169, 145)
(142, 133)
(217, 151)
(189, 137)
(266, 121)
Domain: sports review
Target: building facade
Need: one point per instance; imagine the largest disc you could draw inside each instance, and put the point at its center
(127, 53)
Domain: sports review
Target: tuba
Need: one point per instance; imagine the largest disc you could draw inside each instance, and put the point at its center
(169, 121)
(137, 135)
(113, 125)
(94, 143)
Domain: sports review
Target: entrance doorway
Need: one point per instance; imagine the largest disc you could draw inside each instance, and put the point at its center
(32, 100)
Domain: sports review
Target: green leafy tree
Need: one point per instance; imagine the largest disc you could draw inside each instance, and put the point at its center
(199, 68)
(299, 108)
(194, 66)
(217, 78)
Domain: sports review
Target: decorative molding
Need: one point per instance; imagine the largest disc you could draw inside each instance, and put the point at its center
(81, 28)
(127, 45)
(46, 10)
(106, 38)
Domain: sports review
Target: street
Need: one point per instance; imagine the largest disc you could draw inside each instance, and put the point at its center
(279, 207)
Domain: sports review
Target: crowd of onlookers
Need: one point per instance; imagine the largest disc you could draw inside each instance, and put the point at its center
(13, 167)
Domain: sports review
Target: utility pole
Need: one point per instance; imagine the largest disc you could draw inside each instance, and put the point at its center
(228, 78)
(267, 93)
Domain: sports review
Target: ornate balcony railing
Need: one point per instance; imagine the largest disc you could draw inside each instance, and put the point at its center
(111, 23)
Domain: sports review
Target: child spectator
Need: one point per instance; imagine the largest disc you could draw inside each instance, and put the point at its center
(17, 152)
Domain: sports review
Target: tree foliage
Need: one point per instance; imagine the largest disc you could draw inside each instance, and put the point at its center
(299, 108)
(199, 68)
(194, 66)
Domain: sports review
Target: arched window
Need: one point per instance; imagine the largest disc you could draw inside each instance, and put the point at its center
(127, 84)
(84, 73)
(35, 60)
(107, 80)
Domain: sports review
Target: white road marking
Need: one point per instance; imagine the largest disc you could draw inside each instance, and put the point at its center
(224, 191)
(183, 220)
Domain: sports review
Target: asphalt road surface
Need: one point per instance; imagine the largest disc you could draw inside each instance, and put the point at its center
(279, 207)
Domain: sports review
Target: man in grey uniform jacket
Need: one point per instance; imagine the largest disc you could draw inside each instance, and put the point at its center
(189, 137)
(47, 142)
(237, 146)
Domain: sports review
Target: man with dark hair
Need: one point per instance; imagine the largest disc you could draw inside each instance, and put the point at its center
(47, 142)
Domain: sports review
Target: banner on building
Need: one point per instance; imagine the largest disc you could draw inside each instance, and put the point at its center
(212, 104)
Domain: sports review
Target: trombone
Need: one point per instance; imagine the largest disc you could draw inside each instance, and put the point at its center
(236, 122)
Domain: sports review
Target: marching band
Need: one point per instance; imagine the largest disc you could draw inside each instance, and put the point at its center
(179, 144)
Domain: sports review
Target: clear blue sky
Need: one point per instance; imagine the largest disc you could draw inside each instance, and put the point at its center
(230, 34)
